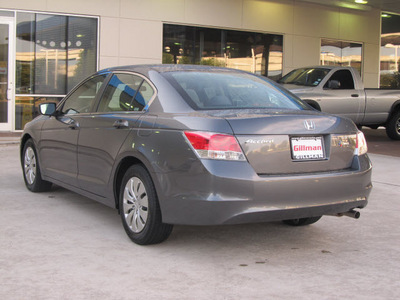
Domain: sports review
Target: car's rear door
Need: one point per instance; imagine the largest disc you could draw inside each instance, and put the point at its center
(59, 137)
(103, 133)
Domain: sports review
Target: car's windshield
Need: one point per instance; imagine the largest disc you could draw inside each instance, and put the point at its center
(305, 76)
(230, 90)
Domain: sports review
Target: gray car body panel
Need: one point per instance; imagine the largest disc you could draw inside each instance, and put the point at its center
(202, 191)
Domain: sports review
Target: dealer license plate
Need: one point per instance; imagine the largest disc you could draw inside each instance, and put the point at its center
(307, 148)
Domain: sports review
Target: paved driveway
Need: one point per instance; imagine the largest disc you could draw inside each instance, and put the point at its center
(379, 143)
(59, 245)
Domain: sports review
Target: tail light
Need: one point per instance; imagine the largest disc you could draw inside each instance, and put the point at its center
(361, 144)
(215, 145)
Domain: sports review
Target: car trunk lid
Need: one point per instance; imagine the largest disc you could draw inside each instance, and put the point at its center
(294, 142)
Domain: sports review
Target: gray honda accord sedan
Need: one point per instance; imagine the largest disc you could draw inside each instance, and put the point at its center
(195, 145)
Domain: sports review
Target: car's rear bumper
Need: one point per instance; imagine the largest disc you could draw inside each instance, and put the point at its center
(220, 192)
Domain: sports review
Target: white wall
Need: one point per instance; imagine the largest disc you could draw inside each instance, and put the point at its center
(131, 30)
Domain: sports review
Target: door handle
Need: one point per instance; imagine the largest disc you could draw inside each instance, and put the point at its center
(73, 125)
(121, 124)
(9, 94)
(354, 95)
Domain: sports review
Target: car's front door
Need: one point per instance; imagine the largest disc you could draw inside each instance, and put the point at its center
(103, 133)
(59, 138)
(345, 98)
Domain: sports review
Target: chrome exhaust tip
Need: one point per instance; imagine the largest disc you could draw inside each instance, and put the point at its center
(351, 213)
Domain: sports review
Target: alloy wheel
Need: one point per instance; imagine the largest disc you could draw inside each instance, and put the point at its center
(135, 204)
(30, 165)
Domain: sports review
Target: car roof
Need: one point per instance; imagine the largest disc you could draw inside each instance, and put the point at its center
(162, 68)
(326, 67)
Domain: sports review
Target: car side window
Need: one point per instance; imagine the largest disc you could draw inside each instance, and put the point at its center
(82, 99)
(125, 92)
(344, 80)
(143, 96)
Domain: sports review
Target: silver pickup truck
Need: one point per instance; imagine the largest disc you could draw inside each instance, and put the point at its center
(340, 91)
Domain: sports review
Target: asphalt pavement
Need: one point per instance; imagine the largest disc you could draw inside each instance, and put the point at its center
(60, 245)
(379, 143)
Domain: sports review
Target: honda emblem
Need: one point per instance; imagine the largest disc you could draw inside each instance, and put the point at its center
(309, 125)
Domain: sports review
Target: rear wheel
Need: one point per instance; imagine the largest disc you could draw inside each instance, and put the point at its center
(302, 221)
(139, 208)
(32, 176)
(393, 126)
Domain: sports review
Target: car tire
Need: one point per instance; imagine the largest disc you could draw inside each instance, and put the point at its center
(139, 208)
(30, 168)
(393, 126)
(302, 221)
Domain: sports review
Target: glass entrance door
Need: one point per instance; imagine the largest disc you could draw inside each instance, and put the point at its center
(6, 74)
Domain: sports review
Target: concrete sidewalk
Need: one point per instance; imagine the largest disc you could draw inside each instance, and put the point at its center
(59, 245)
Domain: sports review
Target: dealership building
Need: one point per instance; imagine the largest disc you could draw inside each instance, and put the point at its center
(48, 46)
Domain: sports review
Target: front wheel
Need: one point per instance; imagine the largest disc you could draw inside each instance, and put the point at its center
(302, 221)
(139, 208)
(393, 126)
(30, 167)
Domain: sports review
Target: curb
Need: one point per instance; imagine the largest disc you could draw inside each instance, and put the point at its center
(9, 142)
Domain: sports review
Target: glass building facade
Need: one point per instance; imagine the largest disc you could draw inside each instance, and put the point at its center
(389, 54)
(53, 53)
(259, 53)
(341, 53)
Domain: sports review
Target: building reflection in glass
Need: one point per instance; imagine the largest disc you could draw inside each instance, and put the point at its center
(340, 53)
(53, 54)
(257, 53)
(389, 54)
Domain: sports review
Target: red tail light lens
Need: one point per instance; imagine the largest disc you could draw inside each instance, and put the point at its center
(215, 145)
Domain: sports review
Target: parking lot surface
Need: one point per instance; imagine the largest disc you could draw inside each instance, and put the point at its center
(379, 143)
(59, 245)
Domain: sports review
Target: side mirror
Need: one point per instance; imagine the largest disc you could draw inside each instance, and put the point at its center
(333, 84)
(47, 109)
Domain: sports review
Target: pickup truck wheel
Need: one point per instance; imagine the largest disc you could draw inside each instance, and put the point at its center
(302, 221)
(139, 208)
(393, 126)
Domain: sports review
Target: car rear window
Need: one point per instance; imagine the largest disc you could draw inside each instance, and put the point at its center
(230, 90)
